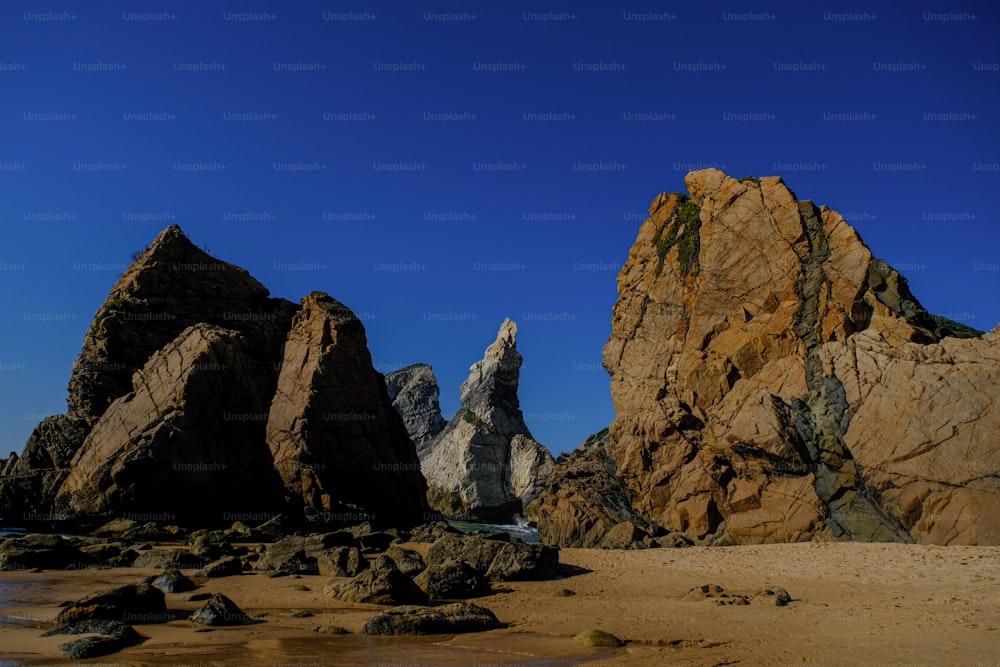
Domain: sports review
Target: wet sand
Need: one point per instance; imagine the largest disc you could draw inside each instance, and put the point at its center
(853, 604)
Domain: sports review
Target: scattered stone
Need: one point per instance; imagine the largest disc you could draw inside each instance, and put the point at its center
(453, 579)
(180, 559)
(330, 630)
(271, 530)
(430, 532)
(563, 593)
(376, 541)
(300, 613)
(46, 552)
(134, 603)
(383, 583)
(113, 637)
(626, 535)
(314, 554)
(599, 638)
(301, 587)
(773, 596)
(220, 610)
(409, 561)
(115, 528)
(227, 566)
(173, 581)
(458, 617)
(674, 541)
(501, 561)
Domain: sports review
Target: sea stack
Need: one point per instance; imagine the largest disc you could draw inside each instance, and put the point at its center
(485, 464)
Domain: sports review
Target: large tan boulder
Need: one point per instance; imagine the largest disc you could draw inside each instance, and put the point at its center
(338, 444)
(775, 382)
(186, 444)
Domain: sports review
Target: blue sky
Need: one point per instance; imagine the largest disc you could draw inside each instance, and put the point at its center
(440, 166)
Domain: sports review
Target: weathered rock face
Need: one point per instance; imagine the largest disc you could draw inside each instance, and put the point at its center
(7, 464)
(169, 409)
(337, 442)
(584, 498)
(186, 444)
(485, 462)
(172, 285)
(415, 394)
(775, 382)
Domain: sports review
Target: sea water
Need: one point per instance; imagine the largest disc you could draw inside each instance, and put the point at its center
(520, 528)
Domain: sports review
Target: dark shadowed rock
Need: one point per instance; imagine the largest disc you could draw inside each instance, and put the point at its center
(171, 285)
(772, 596)
(453, 579)
(134, 603)
(271, 530)
(220, 610)
(185, 443)
(7, 464)
(430, 532)
(415, 395)
(47, 552)
(180, 559)
(337, 442)
(173, 581)
(314, 554)
(485, 463)
(499, 560)
(599, 639)
(113, 636)
(227, 566)
(408, 561)
(382, 583)
(584, 499)
(625, 535)
(30, 481)
(453, 618)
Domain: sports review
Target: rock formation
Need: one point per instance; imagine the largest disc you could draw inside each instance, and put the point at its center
(485, 463)
(415, 395)
(774, 382)
(584, 498)
(186, 444)
(189, 377)
(336, 440)
(7, 464)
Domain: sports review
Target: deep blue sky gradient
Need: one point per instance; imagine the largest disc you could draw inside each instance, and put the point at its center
(376, 240)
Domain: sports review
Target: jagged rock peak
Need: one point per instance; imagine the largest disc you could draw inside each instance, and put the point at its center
(485, 463)
(415, 394)
(774, 382)
(170, 286)
(494, 378)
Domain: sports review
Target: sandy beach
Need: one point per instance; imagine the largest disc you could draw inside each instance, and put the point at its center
(853, 604)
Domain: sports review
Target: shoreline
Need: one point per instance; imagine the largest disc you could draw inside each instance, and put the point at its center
(853, 604)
